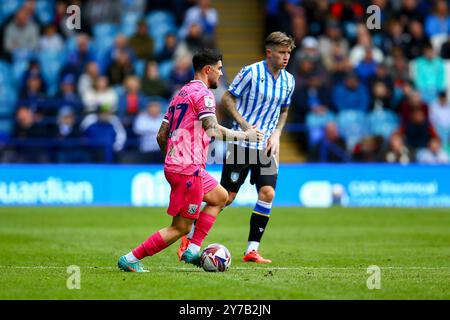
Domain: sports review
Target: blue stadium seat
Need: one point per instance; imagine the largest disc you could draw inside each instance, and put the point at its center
(6, 127)
(101, 30)
(315, 123)
(18, 69)
(5, 74)
(165, 68)
(8, 99)
(139, 67)
(382, 122)
(352, 126)
(51, 63)
(129, 23)
(159, 24)
(9, 7)
(45, 11)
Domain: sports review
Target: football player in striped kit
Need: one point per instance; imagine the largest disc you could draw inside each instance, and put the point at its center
(260, 95)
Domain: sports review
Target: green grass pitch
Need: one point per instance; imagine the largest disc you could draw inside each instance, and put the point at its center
(317, 253)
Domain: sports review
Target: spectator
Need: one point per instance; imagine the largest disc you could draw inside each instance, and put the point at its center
(130, 102)
(429, 74)
(146, 126)
(68, 135)
(313, 96)
(383, 74)
(104, 133)
(367, 68)
(141, 42)
(299, 29)
(101, 94)
(412, 101)
(121, 45)
(358, 52)
(33, 95)
(51, 40)
(25, 129)
(203, 15)
(192, 43)
(396, 38)
(410, 11)
(120, 68)
(79, 57)
(168, 51)
(418, 132)
(434, 154)
(418, 40)
(397, 152)
(33, 69)
(332, 147)
(338, 64)
(181, 73)
(399, 70)
(152, 84)
(440, 115)
(310, 52)
(351, 95)
(21, 33)
(67, 95)
(438, 23)
(88, 78)
(331, 39)
(445, 49)
(102, 11)
(380, 100)
(347, 11)
(368, 149)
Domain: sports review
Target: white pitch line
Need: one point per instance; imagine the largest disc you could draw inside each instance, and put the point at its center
(234, 268)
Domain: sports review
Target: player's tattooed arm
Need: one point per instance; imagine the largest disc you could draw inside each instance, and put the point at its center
(214, 129)
(229, 103)
(163, 135)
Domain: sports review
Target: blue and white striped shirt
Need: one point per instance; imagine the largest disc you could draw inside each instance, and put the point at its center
(260, 98)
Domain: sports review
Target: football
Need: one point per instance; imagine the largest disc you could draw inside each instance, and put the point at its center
(215, 258)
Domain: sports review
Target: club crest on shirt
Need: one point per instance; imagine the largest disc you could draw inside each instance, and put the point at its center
(192, 208)
(234, 176)
(209, 101)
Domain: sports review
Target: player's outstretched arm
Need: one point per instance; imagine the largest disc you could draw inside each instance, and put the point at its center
(214, 129)
(229, 103)
(163, 135)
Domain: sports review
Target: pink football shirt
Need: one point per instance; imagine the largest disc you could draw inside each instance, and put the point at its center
(188, 143)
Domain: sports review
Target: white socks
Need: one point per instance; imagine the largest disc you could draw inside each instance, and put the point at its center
(252, 245)
(131, 258)
(191, 233)
(194, 248)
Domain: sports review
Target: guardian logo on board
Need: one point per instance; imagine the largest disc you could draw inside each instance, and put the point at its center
(53, 191)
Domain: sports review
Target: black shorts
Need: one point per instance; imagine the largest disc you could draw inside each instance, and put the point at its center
(240, 161)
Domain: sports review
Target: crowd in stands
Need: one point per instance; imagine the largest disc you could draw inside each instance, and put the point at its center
(98, 93)
(369, 95)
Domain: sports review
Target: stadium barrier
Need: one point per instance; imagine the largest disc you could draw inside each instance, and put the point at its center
(306, 185)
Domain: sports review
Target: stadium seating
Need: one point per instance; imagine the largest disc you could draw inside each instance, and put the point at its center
(352, 126)
(9, 7)
(382, 122)
(316, 123)
(45, 11)
(129, 23)
(165, 68)
(51, 63)
(159, 24)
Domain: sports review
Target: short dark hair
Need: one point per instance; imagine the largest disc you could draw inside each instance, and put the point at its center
(206, 57)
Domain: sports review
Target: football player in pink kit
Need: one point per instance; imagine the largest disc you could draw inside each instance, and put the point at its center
(184, 137)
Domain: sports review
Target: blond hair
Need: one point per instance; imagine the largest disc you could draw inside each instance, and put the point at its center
(278, 38)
